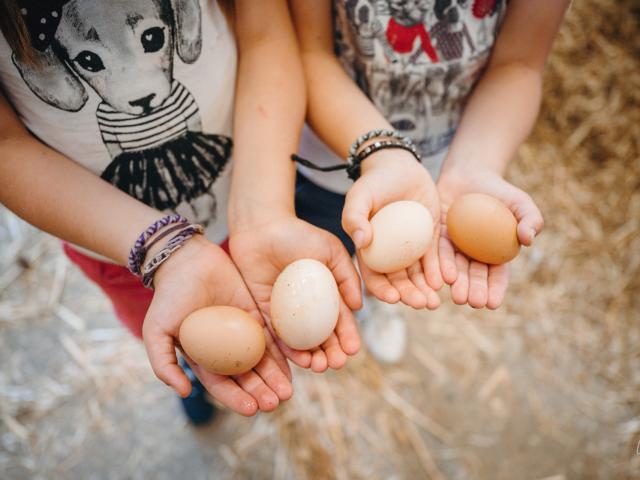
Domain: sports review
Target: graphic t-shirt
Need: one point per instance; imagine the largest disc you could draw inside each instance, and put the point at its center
(417, 61)
(140, 92)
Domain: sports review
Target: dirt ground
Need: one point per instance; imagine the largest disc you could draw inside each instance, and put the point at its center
(547, 387)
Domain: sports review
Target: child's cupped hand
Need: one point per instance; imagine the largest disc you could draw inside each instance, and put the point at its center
(478, 284)
(261, 251)
(389, 176)
(198, 275)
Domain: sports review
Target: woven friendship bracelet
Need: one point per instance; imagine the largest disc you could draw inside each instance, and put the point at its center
(139, 250)
(176, 242)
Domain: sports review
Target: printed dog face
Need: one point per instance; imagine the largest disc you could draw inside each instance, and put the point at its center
(410, 12)
(113, 45)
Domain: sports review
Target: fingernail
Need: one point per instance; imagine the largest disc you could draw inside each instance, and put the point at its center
(533, 233)
(358, 238)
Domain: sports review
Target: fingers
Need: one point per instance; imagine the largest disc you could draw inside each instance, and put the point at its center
(410, 294)
(447, 254)
(355, 215)
(276, 354)
(254, 385)
(478, 290)
(498, 283)
(347, 331)
(460, 288)
(431, 265)
(345, 274)
(378, 284)
(319, 361)
(162, 356)
(226, 391)
(335, 356)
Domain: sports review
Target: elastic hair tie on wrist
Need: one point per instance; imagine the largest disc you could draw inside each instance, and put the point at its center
(139, 249)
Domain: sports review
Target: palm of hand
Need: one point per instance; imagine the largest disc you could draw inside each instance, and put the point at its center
(474, 282)
(262, 252)
(401, 178)
(201, 275)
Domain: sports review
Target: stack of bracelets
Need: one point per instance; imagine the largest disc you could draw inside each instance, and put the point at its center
(384, 139)
(171, 224)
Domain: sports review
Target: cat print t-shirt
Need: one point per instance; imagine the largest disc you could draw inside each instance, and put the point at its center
(140, 92)
(417, 60)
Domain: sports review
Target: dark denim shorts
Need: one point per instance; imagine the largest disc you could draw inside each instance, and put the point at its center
(321, 208)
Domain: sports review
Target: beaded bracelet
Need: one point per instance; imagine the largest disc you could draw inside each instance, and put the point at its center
(139, 250)
(354, 169)
(378, 133)
(176, 242)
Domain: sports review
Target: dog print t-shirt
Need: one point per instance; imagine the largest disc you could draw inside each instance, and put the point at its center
(417, 60)
(140, 92)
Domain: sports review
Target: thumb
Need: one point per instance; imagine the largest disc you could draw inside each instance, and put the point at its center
(355, 215)
(161, 351)
(528, 215)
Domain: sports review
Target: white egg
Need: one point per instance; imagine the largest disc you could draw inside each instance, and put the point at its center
(402, 232)
(305, 303)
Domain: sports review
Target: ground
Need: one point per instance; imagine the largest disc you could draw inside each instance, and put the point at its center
(546, 387)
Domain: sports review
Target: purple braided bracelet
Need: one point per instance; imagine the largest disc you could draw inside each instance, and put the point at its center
(138, 251)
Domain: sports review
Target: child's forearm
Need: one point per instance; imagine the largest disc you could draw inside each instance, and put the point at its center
(337, 110)
(60, 197)
(499, 116)
(269, 113)
(504, 105)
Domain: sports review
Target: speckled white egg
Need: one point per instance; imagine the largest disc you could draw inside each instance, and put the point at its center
(305, 303)
(402, 232)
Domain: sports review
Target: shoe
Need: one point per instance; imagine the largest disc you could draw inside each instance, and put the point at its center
(198, 409)
(384, 330)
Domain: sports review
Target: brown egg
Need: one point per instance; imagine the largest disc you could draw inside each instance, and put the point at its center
(223, 340)
(483, 228)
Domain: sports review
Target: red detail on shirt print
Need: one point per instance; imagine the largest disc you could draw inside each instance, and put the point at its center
(482, 8)
(401, 38)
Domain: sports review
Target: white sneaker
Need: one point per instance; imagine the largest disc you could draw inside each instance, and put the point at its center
(383, 328)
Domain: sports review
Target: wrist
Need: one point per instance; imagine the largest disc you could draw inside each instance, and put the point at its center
(248, 215)
(197, 250)
(389, 158)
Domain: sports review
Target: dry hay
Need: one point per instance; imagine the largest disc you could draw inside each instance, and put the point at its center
(548, 386)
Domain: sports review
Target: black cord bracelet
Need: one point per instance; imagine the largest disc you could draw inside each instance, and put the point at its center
(354, 167)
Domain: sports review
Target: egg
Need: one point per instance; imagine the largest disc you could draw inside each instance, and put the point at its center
(223, 340)
(402, 232)
(483, 228)
(305, 304)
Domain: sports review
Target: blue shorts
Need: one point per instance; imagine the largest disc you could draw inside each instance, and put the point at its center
(321, 208)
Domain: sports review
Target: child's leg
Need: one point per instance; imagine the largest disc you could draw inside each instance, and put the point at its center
(130, 299)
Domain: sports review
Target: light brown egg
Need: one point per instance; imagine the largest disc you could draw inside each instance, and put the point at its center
(223, 340)
(402, 232)
(483, 228)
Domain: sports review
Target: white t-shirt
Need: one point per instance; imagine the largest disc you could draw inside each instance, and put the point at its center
(140, 92)
(418, 62)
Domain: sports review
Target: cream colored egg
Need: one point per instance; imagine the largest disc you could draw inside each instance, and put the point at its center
(305, 304)
(402, 232)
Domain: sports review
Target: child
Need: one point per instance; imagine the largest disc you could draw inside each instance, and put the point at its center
(139, 95)
(461, 79)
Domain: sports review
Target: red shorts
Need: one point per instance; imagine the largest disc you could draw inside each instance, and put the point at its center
(129, 297)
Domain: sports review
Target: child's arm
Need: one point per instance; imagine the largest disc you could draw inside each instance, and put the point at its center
(496, 120)
(339, 112)
(62, 198)
(265, 234)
